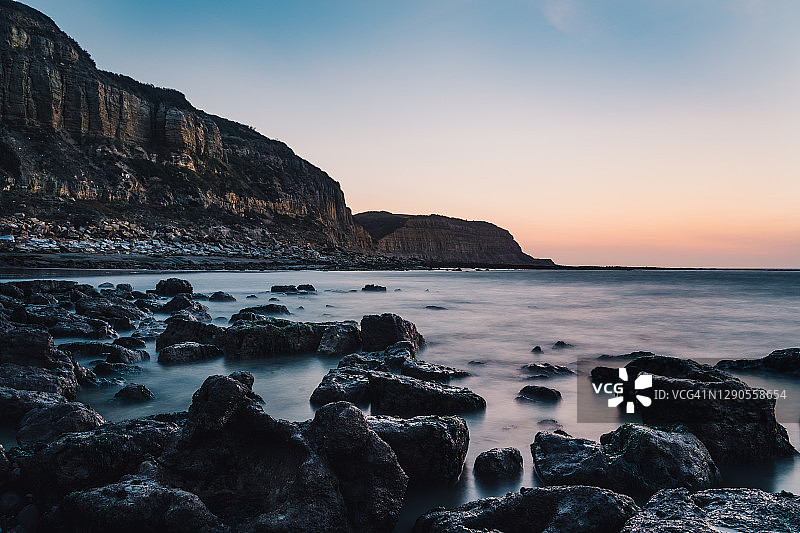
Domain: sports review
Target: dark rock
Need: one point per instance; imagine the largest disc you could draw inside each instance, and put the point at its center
(109, 309)
(549, 424)
(537, 510)
(106, 285)
(12, 291)
(125, 287)
(244, 377)
(435, 308)
(476, 362)
(343, 384)
(135, 504)
(547, 370)
(139, 295)
(41, 299)
(220, 296)
(283, 288)
(535, 393)
(178, 331)
(274, 299)
(374, 288)
(536, 349)
(113, 353)
(786, 362)
(560, 459)
(430, 371)
(133, 392)
(173, 286)
(48, 286)
(268, 309)
(632, 355)
(246, 317)
(149, 328)
(184, 305)
(58, 379)
(340, 339)
(715, 510)
(407, 396)
(197, 296)
(380, 331)
(187, 352)
(86, 377)
(133, 343)
(251, 297)
(28, 346)
(498, 463)
(431, 449)
(307, 287)
(28, 517)
(560, 345)
(255, 340)
(106, 369)
(45, 424)
(15, 404)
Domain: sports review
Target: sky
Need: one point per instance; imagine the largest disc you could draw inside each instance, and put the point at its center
(614, 132)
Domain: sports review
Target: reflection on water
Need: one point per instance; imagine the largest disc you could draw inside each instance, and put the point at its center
(496, 318)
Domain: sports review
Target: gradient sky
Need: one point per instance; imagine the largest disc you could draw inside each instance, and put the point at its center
(607, 132)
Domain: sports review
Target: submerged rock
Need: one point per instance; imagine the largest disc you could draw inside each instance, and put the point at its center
(560, 345)
(498, 463)
(283, 288)
(536, 393)
(537, 510)
(188, 352)
(220, 296)
(112, 309)
(380, 331)
(430, 371)
(547, 370)
(373, 288)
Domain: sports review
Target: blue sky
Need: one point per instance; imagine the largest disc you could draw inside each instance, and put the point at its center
(605, 132)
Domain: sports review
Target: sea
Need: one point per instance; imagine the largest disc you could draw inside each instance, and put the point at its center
(487, 322)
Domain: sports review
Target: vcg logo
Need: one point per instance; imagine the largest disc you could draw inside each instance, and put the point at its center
(625, 391)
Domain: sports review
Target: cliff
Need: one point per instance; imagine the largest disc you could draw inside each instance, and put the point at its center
(440, 240)
(80, 146)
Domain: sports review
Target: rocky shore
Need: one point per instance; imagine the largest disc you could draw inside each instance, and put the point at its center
(225, 465)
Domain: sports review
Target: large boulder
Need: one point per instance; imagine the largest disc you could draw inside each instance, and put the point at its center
(715, 510)
(186, 352)
(380, 331)
(538, 510)
(45, 424)
(431, 449)
(633, 459)
(180, 330)
(786, 362)
(340, 339)
(173, 286)
(497, 464)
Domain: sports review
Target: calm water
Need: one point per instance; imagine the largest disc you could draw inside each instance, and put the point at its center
(497, 317)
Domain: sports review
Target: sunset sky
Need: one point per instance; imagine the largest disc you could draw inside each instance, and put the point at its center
(598, 132)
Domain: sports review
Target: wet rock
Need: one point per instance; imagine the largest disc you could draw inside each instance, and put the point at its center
(181, 330)
(537, 510)
(549, 424)
(340, 339)
(560, 345)
(365, 361)
(274, 299)
(173, 286)
(186, 352)
(283, 288)
(45, 424)
(135, 393)
(255, 340)
(220, 296)
(536, 393)
(560, 459)
(47, 286)
(15, 404)
(112, 353)
(407, 396)
(431, 449)
(498, 463)
(380, 331)
(716, 510)
(114, 310)
(197, 296)
(106, 369)
(537, 349)
(78, 461)
(343, 384)
(430, 371)
(307, 287)
(86, 377)
(132, 505)
(547, 370)
(374, 288)
(785, 362)
(132, 343)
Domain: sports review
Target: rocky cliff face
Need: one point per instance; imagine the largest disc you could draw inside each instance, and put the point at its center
(76, 141)
(443, 240)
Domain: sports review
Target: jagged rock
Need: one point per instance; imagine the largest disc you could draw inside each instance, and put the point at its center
(149, 328)
(61, 323)
(133, 343)
(133, 392)
(184, 306)
(343, 384)
(180, 330)
(267, 309)
(173, 286)
(536, 393)
(373, 288)
(45, 424)
(537, 510)
(786, 362)
(366, 361)
(547, 370)
(255, 340)
(28, 346)
(560, 345)
(430, 371)
(133, 505)
(407, 396)
(220, 296)
(715, 510)
(380, 331)
(15, 403)
(431, 449)
(340, 339)
(187, 352)
(116, 311)
(85, 376)
(112, 353)
(498, 463)
(79, 461)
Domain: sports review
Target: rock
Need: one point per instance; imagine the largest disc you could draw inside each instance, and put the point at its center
(307, 287)
(430, 371)
(373, 288)
(537, 510)
(134, 392)
(113, 353)
(178, 331)
(197, 296)
(786, 362)
(173, 286)
(15, 404)
(632, 355)
(536, 349)
(267, 309)
(431, 449)
(535, 393)
(735, 430)
(85, 376)
(220, 296)
(59, 379)
(435, 308)
(149, 328)
(560, 345)
(28, 517)
(79, 461)
(547, 370)
(283, 288)
(549, 424)
(132, 343)
(498, 463)
(47, 286)
(246, 317)
(132, 505)
(106, 285)
(380, 331)
(41, 299)
(12, 291)
(407, 396)
(633, 459)
(340, 339)
(715, 510)
(113, 310)
(28, 346)
(125, 287)
(251, 297)
(187, 352)
(256, 340)
(184, 305)
(343, 384)
(106, 369)
(45, 424)
(274, 299)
